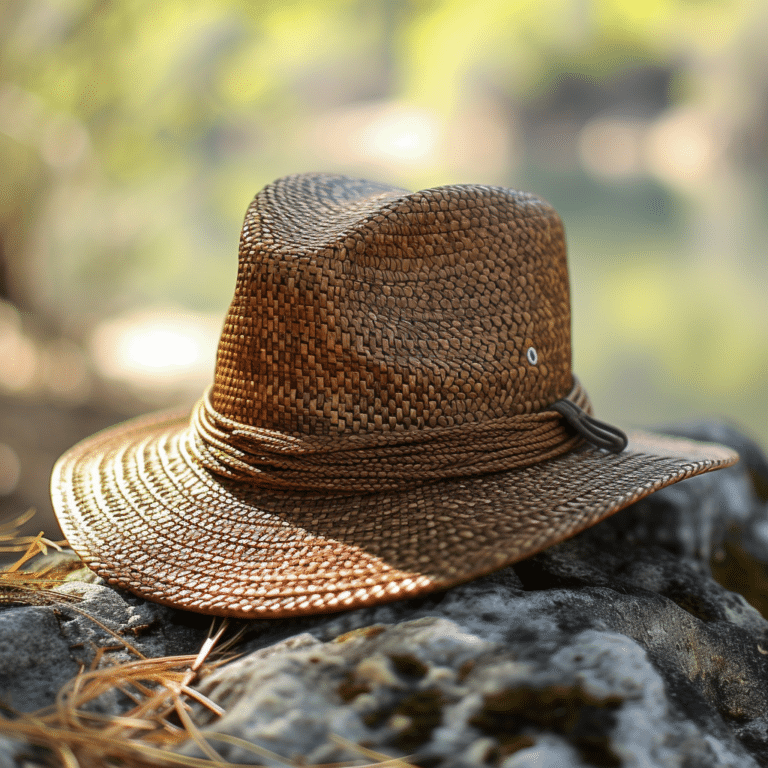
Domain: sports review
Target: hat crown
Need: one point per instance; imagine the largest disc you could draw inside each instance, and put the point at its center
(363, 308)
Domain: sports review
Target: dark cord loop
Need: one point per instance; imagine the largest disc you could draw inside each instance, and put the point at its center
(596, 432)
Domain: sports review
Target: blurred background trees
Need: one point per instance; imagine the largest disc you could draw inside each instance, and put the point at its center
(133, 135)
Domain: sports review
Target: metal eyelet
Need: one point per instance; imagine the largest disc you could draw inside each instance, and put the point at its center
(532, 356)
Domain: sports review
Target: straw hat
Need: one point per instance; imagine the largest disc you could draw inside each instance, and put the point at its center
(393, 412)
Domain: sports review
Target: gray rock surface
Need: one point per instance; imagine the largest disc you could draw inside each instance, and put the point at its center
(42, 647)
(617, 647)
(428, 688)
(10, 750)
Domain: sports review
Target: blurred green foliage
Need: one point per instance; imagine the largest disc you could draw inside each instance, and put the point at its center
(133, 134)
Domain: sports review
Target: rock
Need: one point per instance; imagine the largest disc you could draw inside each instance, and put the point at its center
(10, 750)
(428, 688)
(617, 647)
(44, 646)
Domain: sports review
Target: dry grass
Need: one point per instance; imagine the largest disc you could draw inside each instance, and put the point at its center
(12, 541)
(35, 587)
(158, 695)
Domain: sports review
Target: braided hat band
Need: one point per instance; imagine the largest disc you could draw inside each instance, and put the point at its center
(393, 412)
(392, 460)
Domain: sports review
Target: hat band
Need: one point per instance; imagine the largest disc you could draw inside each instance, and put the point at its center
(382, 461)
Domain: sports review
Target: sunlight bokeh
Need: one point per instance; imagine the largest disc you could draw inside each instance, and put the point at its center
(133, 136)
(161, 353)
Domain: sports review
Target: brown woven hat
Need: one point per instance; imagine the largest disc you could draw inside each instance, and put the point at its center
(393, 412)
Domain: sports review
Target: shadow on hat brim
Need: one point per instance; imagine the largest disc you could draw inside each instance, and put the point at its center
(140, 512)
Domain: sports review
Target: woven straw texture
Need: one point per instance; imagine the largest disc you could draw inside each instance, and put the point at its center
(379, 425)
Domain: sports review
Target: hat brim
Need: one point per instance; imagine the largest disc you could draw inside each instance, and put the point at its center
(140, 512)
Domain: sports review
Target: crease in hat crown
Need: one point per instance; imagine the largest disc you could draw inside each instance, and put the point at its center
(393, 412)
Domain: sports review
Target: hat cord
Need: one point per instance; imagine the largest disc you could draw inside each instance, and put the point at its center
(385, 461)
(597, 432)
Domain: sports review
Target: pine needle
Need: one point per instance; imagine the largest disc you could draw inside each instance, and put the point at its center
(35, 587)
(157, 693)
(9, 531)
